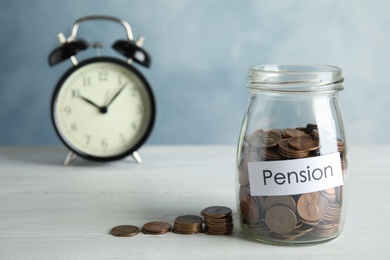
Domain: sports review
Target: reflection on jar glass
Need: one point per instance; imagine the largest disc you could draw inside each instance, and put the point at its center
(292, 155)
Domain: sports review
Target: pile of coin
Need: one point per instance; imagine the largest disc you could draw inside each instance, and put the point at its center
(218, 220)
(188, 224)
(301, 217)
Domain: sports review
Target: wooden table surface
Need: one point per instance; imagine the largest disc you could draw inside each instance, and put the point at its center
(51, 211)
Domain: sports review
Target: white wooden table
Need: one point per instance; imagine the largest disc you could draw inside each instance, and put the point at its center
(48, 211)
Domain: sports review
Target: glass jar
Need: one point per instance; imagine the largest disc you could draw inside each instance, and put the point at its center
(291, 155)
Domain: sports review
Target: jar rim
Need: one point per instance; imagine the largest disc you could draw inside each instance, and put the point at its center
(295, 78)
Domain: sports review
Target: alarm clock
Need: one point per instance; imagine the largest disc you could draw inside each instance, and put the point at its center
(102, 108)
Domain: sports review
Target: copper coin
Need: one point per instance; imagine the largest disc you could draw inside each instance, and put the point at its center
(188, 220)
(186, 231)
(288, 152)
(281, 219)
(287, 201)
(312, 206)
(219, 221)
(303, 143)
(269, 139)
(243, 192)
(125, 231)
(218, 225)
(156, 227)
(187, 224)
(249, 210)
(214, 232)
(216, 212)
(254, 139)
(271, 154)
(291, 132)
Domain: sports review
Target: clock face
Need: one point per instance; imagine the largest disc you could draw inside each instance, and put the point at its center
(103, 109)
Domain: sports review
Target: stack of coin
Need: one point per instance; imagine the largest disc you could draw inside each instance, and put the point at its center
(218, 220)
(187, 224)
(156, 228)
(298, 217)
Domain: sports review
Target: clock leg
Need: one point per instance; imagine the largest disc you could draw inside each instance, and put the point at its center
(70, 158)
(137, 157)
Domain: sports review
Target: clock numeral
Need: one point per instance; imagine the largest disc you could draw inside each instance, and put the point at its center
(75, 93)
(86, 81)
(103, 75)
(104, 143)
(67, 110)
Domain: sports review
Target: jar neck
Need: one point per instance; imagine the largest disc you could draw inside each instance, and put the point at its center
(295, 78)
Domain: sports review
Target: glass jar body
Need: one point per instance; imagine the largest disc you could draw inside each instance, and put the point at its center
(292, 165)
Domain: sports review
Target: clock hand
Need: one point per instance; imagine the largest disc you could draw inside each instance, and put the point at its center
(116, 95)
(101, 109)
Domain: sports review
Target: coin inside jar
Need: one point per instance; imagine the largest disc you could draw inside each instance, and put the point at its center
(291, 132)
(287, 201)
(249, 210)
(288, 152)
(316, 214)
(312, 206)
(269, 139)
(281, 219)
(303, 143)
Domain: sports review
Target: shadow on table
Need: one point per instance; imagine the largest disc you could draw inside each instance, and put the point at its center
(48, 156)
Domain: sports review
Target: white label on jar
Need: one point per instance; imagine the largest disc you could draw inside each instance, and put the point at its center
(289, 177)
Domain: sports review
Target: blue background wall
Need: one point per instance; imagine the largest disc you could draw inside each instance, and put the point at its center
(201, 52)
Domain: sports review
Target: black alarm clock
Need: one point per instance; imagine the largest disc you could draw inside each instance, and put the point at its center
(102, 108)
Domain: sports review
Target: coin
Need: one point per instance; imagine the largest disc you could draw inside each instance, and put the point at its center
(125, 231)
(243, 192)
(317, 214)
(216, 212)
(260, 138)
(249, 210)
(254, 139)
(187, 224)
(312, 206)
(287, 201)
(269, 139)
(288, 152)
(156, 227)
(188, 220)
(218, 220)
(281, 219)
(303, 143)
(291, 132)
(270, 154)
